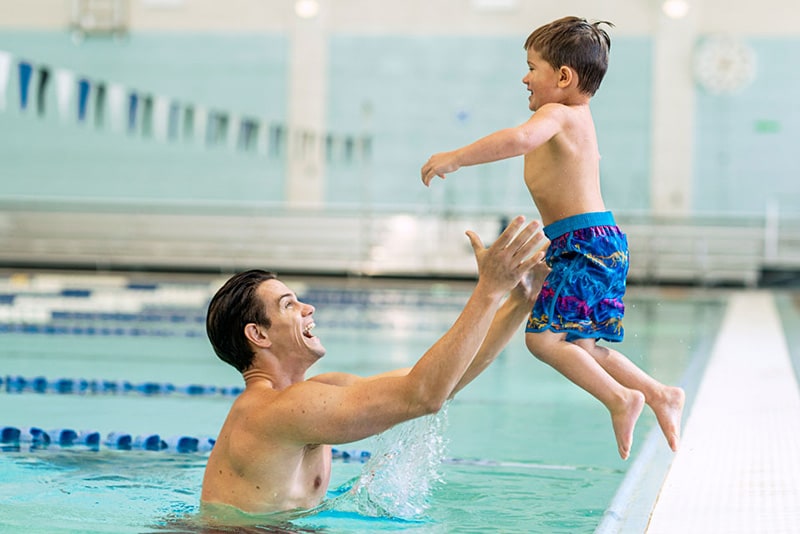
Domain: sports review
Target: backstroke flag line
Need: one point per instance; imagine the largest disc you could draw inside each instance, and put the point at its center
(163, 119)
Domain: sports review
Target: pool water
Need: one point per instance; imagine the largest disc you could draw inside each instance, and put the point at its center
(520, 450)
(788, 303)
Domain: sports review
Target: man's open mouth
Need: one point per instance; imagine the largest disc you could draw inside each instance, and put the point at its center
(307, 330)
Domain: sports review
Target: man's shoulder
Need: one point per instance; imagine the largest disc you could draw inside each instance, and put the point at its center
(335, 379)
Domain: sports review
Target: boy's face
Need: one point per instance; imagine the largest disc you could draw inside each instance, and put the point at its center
(541, 80)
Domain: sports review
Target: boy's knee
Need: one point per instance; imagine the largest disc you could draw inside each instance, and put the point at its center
(536, 344)
(590, 345)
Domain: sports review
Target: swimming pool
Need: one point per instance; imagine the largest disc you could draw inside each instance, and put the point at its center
(520, 450)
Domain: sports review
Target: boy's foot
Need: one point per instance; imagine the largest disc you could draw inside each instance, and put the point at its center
(624, 420)
(669, 410)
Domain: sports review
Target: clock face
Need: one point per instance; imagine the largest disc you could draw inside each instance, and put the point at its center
(724, 64)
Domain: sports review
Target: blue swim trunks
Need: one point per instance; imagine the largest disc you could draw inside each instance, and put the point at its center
(582, 295)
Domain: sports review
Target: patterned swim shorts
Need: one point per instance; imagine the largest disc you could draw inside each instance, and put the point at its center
(582, 295)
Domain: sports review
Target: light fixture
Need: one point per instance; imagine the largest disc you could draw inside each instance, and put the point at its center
(675, 9)
(494, 5)
(306, 9)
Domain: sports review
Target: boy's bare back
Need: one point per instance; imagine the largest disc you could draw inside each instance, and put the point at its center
(563, 174)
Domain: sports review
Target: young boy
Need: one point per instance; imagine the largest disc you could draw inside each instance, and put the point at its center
(581, 300)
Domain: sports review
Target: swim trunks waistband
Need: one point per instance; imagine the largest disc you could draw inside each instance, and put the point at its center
(576, 222)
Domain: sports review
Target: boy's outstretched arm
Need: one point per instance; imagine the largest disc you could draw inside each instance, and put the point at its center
(502, 144)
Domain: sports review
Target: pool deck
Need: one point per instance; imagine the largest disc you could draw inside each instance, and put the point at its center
(738, 467)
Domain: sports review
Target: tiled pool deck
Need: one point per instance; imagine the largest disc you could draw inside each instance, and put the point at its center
(738, 467)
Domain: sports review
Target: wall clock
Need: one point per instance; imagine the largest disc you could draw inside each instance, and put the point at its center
(724, 64)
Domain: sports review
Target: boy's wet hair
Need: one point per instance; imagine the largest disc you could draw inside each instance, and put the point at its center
(577, 43)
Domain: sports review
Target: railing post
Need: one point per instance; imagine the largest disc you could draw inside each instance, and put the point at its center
(771, 231)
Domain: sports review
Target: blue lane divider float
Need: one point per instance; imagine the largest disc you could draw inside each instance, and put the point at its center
(91, 330)
(351, 455)
(81, 386)
(12, 439)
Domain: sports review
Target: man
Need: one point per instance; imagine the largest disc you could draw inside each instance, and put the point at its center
(274, 450)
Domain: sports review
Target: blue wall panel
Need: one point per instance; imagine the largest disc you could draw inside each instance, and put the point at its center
(50, 158)
(429, 94)
(746, 141)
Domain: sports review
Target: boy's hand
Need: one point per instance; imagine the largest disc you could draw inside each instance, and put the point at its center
(439, 165)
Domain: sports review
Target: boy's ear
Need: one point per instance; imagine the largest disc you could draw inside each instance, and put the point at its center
(257, 335)
(566, 77)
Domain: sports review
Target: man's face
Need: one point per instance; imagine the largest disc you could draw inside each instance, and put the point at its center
(292, 321)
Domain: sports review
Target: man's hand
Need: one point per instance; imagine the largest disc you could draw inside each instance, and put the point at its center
(439, 165)
(531, 283)
(511, 257)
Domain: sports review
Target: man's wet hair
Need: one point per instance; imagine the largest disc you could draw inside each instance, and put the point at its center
(233, 306)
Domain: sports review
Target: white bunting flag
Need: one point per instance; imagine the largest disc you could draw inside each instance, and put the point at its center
(200, 122)
(65, 89)
(160, 118)
(116, 107)
(5, 67)
(234, 125)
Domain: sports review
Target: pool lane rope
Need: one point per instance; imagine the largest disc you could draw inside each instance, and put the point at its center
(32, 439)
(82, 386)
(16, 439)
(12, 437)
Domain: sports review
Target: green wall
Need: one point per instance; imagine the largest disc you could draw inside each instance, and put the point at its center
(51, 157)
(413, 95)
(429, 94)
(746, 142)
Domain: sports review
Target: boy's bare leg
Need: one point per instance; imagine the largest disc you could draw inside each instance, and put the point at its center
(575, 363)
(665, 401)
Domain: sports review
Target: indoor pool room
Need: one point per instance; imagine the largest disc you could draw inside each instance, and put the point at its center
(252, 251)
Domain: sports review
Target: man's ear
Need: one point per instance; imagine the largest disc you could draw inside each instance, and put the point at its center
(257, 335)
(566, 77)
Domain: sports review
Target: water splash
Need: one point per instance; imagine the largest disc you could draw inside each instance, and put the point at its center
(399, 478)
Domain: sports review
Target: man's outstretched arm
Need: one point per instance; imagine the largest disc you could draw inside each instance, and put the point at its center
(514, 311)
(316, 412)
(505, 324)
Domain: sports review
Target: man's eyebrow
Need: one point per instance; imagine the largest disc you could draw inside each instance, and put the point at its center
(286, 295)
